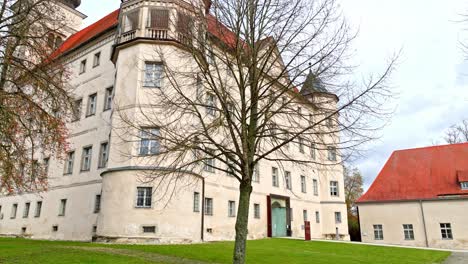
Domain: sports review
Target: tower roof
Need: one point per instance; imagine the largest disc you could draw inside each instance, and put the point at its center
(313, 84)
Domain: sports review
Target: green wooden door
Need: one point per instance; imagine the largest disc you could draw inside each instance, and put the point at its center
(279, 221)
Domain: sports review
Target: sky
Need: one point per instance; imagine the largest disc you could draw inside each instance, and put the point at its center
(431, 78)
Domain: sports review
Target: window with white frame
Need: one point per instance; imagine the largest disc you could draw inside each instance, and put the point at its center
(149, 141)
(313, 151)
(196, 202)
(210, 105)
(14, 210)
(288, 180)
(231, 208)
(274, 177)
(317, 217)
(153, 74)
(97, 203)
(38, 209)
(86, 158)
(209, 162)
(27, 206)
(464, 185)
(82, 66)
(338, 217)
(256, 174)
(103, 155)
(158, 19)
(305, 215)
(92, 100)
(257, 211)
(199, 86)
(378, 232)
(108, 98)
(408, 231)
(69, 162)
(144, 197)
(303, 184)
(334, 188)
(96, 59)
(208, 206)
(331, 153)
(446, 231)
(62, 207)
(315, 186)
(301, 145)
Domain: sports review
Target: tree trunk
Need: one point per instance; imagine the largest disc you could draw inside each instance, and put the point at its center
(242, 222)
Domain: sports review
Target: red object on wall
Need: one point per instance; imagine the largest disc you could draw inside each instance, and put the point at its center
(307, 230)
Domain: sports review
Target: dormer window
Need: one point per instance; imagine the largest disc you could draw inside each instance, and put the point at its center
(464, 185)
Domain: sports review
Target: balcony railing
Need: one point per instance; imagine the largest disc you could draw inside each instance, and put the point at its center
(156, 33)
(129, 35)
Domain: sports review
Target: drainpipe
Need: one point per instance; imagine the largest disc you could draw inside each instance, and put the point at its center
(203, 211)
(424, 222)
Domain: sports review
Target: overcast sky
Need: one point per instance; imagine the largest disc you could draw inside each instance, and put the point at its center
(432, 76)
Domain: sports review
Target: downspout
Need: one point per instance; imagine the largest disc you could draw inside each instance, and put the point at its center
(203, 211)
(424, 222)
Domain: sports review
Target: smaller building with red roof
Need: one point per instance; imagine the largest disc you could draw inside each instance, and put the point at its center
(419, 198)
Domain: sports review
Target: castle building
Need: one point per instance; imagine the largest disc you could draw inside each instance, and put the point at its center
(95, 193)
(419, 199)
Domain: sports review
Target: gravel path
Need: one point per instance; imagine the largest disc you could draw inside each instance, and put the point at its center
(457, 258)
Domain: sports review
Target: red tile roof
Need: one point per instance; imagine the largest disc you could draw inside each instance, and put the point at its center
(422, 173)
(462, 176)
(107, 22)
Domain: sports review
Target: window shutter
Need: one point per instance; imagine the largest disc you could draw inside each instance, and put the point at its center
(159, 19)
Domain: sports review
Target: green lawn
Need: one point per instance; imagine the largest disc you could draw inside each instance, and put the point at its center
(259, 251)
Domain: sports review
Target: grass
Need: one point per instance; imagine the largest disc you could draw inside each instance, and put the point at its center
(259, 251)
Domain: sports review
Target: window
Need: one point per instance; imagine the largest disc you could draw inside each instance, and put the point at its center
(315, 186)
(331, 153)
(209, 162)
(103, 155)
(86, 158)
(334, 188)
(274, 177)
(256, 174)
(91, 110)
(338, 217)
(312, 151)
(231, 208)
(97, 59)
(301, 145)
(23, 230)
(63, 207)
(303, 184)
(108, 98)
(464, 185)
(82, 66)
(208, 206)
(46, 165)
(257, 211)
(77, 110)
(94, 229)
(184, 27)
(330, 122)
(210, 105)
(149, 141)
(38, 209)
(1, 215)
(317, 217)
(196, 202)
(153, 74)
(210, 57)
(446, 230)
(409, 232)
(149, 229)
(144, 197)
(287, 178)
(14, 209)
(199, 85)
(97, 204)
(378, 232)
(55, 228)
(130, 22)
(69, 162)
(27, 206)
(305, 216)
(158, 19)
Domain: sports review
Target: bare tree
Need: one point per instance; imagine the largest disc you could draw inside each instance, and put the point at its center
(34, 100)
(457, 133)
(230, 98)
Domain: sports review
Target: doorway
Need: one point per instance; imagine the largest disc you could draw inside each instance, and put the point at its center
(278, 217)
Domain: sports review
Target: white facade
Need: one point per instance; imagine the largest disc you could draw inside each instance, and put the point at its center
(101, 202)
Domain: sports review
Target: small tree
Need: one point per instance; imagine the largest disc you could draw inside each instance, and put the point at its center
(457, 133)
(230, 98)
(34, 100)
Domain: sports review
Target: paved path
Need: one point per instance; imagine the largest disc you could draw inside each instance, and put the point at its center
(457, 258)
